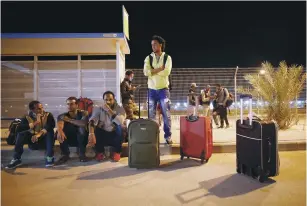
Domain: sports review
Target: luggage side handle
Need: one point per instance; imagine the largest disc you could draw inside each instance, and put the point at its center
(270, 150)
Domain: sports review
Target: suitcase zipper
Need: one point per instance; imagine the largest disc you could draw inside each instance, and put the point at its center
(261, 143)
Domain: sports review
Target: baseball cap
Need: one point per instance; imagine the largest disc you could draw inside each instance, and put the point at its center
(194, 85)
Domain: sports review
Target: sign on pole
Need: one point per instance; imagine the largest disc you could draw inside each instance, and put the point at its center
(126, 22)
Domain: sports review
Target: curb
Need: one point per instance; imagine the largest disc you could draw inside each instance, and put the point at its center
(7, 150)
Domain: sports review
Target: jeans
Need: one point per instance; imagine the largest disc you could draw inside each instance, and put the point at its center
(105, 138)
(76, 136)
(162, 96)
(44, 142)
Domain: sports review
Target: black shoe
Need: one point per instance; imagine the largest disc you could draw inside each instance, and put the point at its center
(13, 164)
(83, 159)
(220, 127)
(169, 141)
(62, 160)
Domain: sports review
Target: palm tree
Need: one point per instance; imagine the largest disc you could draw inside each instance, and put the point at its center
(278, 87)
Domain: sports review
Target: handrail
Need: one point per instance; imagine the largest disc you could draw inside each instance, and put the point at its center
(9, 118)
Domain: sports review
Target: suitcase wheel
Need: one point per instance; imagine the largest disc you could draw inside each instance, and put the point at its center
(188, 157)
(239, 170)
(258, 174)
(261, 178)
(181, 153)
(243, 169)
(202, 161)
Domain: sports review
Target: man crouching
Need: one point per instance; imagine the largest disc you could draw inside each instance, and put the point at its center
(36, 129)
(105, 128)
(71, 130)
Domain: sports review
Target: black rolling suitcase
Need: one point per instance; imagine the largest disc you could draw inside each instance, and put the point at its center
(143, 143)
(257, 145)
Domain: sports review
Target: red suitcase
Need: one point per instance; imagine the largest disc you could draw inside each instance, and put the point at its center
(196, 137)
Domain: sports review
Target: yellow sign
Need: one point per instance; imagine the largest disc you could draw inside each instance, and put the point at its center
(126, 22)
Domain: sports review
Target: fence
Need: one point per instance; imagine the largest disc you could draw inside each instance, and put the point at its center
(183, 77)
(54, 81)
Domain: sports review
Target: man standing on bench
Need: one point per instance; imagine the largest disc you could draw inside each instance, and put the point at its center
(36, 129)
(157, 67)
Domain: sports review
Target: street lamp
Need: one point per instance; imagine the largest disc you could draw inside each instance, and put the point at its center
(261, 72)
(236, 89)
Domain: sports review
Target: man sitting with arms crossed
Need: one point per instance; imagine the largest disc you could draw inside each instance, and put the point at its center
(36, 129)
(105, 127)
(72, 130)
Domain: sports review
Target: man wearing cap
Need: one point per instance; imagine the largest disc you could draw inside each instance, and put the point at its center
(158, 83)
(205, 95)
(192, 99)
(71, 130)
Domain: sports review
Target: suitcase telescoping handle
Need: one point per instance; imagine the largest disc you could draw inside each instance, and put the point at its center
(139, 87)
(250, 105)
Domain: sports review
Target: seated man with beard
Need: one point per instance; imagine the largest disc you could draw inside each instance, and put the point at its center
(105, 127)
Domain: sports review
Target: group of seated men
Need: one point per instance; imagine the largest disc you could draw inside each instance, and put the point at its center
(74, 128)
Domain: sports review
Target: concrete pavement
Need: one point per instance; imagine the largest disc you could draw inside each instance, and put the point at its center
(174, 183)
(223, 141)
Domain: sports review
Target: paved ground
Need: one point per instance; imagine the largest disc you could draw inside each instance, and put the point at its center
(175, 183)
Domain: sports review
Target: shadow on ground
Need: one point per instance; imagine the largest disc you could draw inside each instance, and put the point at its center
(125, 171)
(223, 187)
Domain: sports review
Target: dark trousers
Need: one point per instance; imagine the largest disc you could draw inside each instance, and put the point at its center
(44, 142)
(105, 138)
(76, 137)
(223, 115)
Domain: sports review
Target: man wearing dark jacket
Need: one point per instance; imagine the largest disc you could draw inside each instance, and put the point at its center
(36, 129)
(222, 95)
(127, 94)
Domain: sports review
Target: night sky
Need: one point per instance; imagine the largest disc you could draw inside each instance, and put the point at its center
(198, 34)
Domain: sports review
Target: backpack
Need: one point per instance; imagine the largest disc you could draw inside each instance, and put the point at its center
(11, 139)
(164, 62)
(229, 101)
(86, 104)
